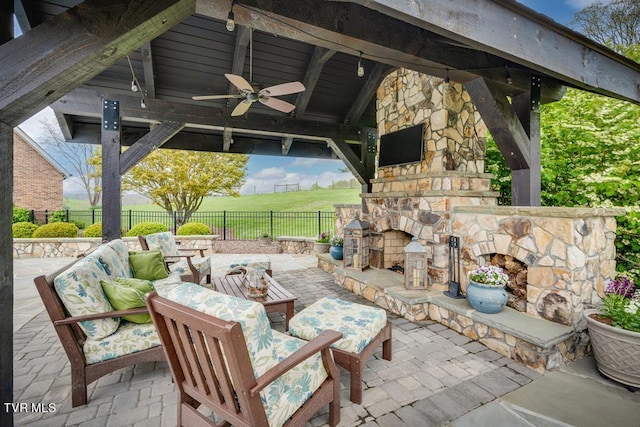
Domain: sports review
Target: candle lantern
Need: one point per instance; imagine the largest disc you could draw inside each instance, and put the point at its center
(415, 266)
(356, 245)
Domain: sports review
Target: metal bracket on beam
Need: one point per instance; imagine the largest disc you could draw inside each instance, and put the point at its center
(110, 115)
(536, 89)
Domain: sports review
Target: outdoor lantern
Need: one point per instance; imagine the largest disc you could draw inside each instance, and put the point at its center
(415, 266)
(356, 245)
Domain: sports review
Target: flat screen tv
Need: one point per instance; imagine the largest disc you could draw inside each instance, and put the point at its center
(402, 146)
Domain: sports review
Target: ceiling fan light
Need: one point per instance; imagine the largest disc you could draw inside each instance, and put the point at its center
(231, 25)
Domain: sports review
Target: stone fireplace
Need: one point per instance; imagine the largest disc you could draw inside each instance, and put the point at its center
(566, 253)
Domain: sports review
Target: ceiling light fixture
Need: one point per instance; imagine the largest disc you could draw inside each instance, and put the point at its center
(231, 25)
(360, 67)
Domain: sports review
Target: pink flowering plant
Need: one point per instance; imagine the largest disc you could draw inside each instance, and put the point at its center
(621, 303)
(489, 275)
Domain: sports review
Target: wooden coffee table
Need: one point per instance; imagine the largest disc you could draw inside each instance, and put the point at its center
(278, 299)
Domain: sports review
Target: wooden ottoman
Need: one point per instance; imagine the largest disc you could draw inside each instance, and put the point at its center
(363, 328)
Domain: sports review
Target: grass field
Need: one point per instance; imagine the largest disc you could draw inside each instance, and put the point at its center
(300, 213)
(293, 201)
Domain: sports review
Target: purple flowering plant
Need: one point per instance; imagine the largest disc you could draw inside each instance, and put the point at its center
(621, 303)
(323, 237)
(489, 275)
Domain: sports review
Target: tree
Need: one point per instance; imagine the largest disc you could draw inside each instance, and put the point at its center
(178, 180)
(615, 24)
(79, 158)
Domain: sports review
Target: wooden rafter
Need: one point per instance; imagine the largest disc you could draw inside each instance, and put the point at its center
(374, 78)
(318, 59)
(154, 139)
(147, 67)
(34, 74)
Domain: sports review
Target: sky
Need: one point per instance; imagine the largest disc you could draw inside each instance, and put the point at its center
(266, 171)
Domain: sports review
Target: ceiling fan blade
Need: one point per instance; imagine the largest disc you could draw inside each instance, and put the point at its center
(206, 97)
(283, 89)
(241, 108)
(278, 104)
(239, 82)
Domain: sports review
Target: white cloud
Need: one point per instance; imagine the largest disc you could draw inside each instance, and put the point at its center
(305, 162)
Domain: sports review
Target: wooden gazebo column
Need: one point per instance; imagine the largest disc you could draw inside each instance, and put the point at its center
(111, 182)
(515, 126)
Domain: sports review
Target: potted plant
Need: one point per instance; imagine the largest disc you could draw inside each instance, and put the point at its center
(336, 247)
(614, 329)
(322, 245)
(485, 290)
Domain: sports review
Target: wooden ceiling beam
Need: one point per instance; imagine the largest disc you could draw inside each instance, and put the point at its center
(239, 58)
(156, 137)
(347, 28)
(318, 59)
(66, 125)
(76, 45)
(147, 68)
(86, 102)
(374, 78)
(286, 145)
(518, 34)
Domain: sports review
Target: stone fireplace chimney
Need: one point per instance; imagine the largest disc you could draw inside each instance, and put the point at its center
(416, 199)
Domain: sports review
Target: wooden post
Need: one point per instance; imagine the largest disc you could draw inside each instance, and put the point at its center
(111, 183)
(6, 242)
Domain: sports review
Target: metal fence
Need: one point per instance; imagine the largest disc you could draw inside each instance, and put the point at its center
(229, 225)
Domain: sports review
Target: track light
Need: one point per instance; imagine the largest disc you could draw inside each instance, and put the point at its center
(231, 25)
(360, 67)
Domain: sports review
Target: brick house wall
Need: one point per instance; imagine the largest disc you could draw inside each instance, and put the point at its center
(37, 180)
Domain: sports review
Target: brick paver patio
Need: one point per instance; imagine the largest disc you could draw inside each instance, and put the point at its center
(436, 375)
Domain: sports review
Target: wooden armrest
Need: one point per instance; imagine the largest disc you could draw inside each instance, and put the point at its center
(96, 316)
(321, 342)
(201, 250)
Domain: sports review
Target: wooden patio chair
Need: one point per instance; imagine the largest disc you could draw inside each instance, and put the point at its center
(211, 366)
(192, 268)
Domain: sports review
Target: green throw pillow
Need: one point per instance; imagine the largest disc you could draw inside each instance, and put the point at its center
(148, 265)
(123, 297)
(143, 286)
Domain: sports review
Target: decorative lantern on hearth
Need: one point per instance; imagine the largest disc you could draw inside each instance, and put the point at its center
(415, 266)
(356, 245)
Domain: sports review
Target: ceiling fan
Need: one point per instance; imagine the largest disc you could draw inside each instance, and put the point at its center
(250, 94)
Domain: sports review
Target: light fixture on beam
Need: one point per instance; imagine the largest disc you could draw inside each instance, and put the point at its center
(360, 67)
(231, 24)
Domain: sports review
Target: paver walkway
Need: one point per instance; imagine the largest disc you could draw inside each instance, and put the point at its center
(436, 375)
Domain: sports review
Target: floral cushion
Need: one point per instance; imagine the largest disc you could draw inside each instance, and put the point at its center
(251, 316)
(109, 260)
(203, 265)
(120, 248)
(358, 323)
(163, 241)
(79, 289)
(262, 262)
(129, 338)
(288, 392)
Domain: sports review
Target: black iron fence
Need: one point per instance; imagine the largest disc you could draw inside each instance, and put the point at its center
(229, 225)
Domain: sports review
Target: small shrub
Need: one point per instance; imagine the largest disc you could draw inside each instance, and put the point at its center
(56, 229)
(58, 216)
(193, 228)
(23, 230)
(145, 228)
(94, 230)
(21, 215)
(80, 224)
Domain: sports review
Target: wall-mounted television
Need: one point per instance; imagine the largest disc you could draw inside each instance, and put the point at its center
(402, 146)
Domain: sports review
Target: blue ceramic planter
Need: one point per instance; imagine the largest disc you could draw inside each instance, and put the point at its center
(335, 252)
(485, 298)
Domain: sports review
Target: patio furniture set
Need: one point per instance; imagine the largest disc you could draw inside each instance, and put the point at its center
(113, 308)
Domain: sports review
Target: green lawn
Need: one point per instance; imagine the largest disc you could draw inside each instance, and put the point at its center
(294, 201)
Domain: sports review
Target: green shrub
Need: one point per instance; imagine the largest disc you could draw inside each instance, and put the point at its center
(56, 229)
(193, 228)
(57, 216)
(145, 228)
(23, 230)
(94, 230)
(21, 215)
